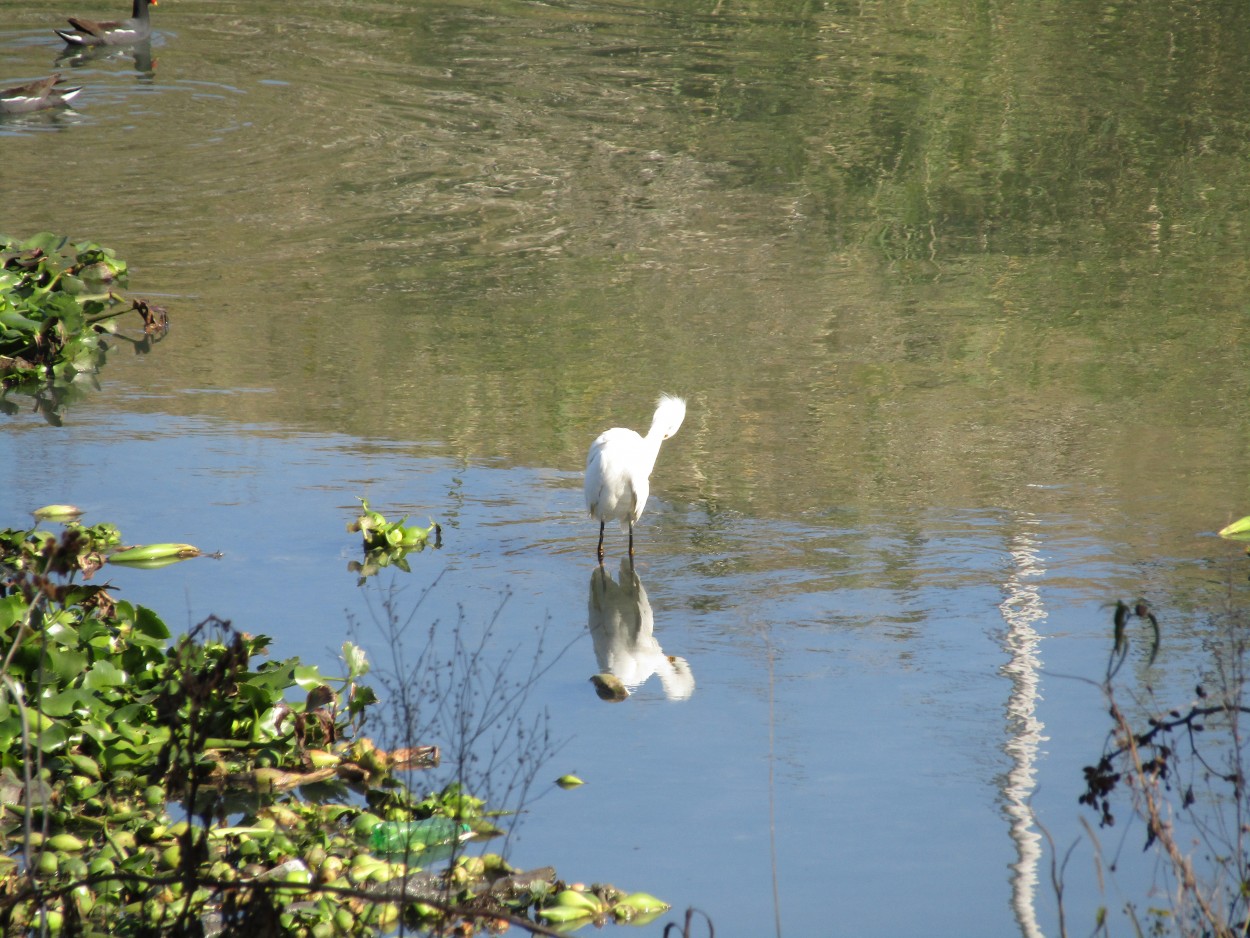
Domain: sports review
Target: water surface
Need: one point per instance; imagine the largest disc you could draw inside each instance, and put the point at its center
(962, 341)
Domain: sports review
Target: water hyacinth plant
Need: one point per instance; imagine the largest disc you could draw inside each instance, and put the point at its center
(388, 543)
(152, 784)
(58, 299)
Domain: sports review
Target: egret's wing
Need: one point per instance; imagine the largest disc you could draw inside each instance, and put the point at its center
(594, 474)
(611, 480)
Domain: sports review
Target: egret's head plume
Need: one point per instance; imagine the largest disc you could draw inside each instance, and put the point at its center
(670, 411)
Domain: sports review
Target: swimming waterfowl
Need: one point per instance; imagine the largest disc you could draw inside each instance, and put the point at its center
(112, 33)
(35, 96)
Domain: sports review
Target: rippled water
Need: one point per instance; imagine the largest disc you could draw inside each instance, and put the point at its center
(963, 345)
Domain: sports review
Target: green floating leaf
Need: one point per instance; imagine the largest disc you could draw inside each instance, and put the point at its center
(389, 542)
(12, 609)
(307, 676)
(66, 663)
(57, 512)
(563, 913)
(15, 321)
(642, 902)
(84, 764)
(66, 702)
(586, 903)
(154, 553)
(1239, 529)
(609, 687)
(46, 734)
(569, 781)
(123, 755)
(46, 241)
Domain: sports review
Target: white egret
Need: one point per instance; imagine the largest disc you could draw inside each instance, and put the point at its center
(618, 468)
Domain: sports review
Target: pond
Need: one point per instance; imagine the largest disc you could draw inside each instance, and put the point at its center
(957, 297)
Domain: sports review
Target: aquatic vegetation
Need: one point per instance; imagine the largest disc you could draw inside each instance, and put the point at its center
(388, 543)
(57, 302)
(1178, 767)
(1238, 530)
(596, 904)
(182, 785)
(85, 549)
(609, 687)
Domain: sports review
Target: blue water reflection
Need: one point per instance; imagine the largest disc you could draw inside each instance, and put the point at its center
(896, 695)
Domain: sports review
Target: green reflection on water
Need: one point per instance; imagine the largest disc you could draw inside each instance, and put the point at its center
(936, 252)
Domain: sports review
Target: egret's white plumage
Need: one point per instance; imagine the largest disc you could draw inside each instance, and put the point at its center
(618, 468)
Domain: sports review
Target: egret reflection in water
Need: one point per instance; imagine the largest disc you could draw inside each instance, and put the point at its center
(622, 628)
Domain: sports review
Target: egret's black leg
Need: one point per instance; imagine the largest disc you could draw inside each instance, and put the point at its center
(601, 543)
(631, 543)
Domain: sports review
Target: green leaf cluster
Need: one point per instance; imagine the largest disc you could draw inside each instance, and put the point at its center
(51, 292)
(573, 905)
(80, 550)
(109, 729)
(159, 785)
(57, 300)
(388, 543)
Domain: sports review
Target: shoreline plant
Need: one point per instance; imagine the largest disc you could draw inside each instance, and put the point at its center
(58, 300)
(1180, 770)
(190, 785)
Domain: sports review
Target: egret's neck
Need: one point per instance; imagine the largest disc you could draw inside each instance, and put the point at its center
(651, 446)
